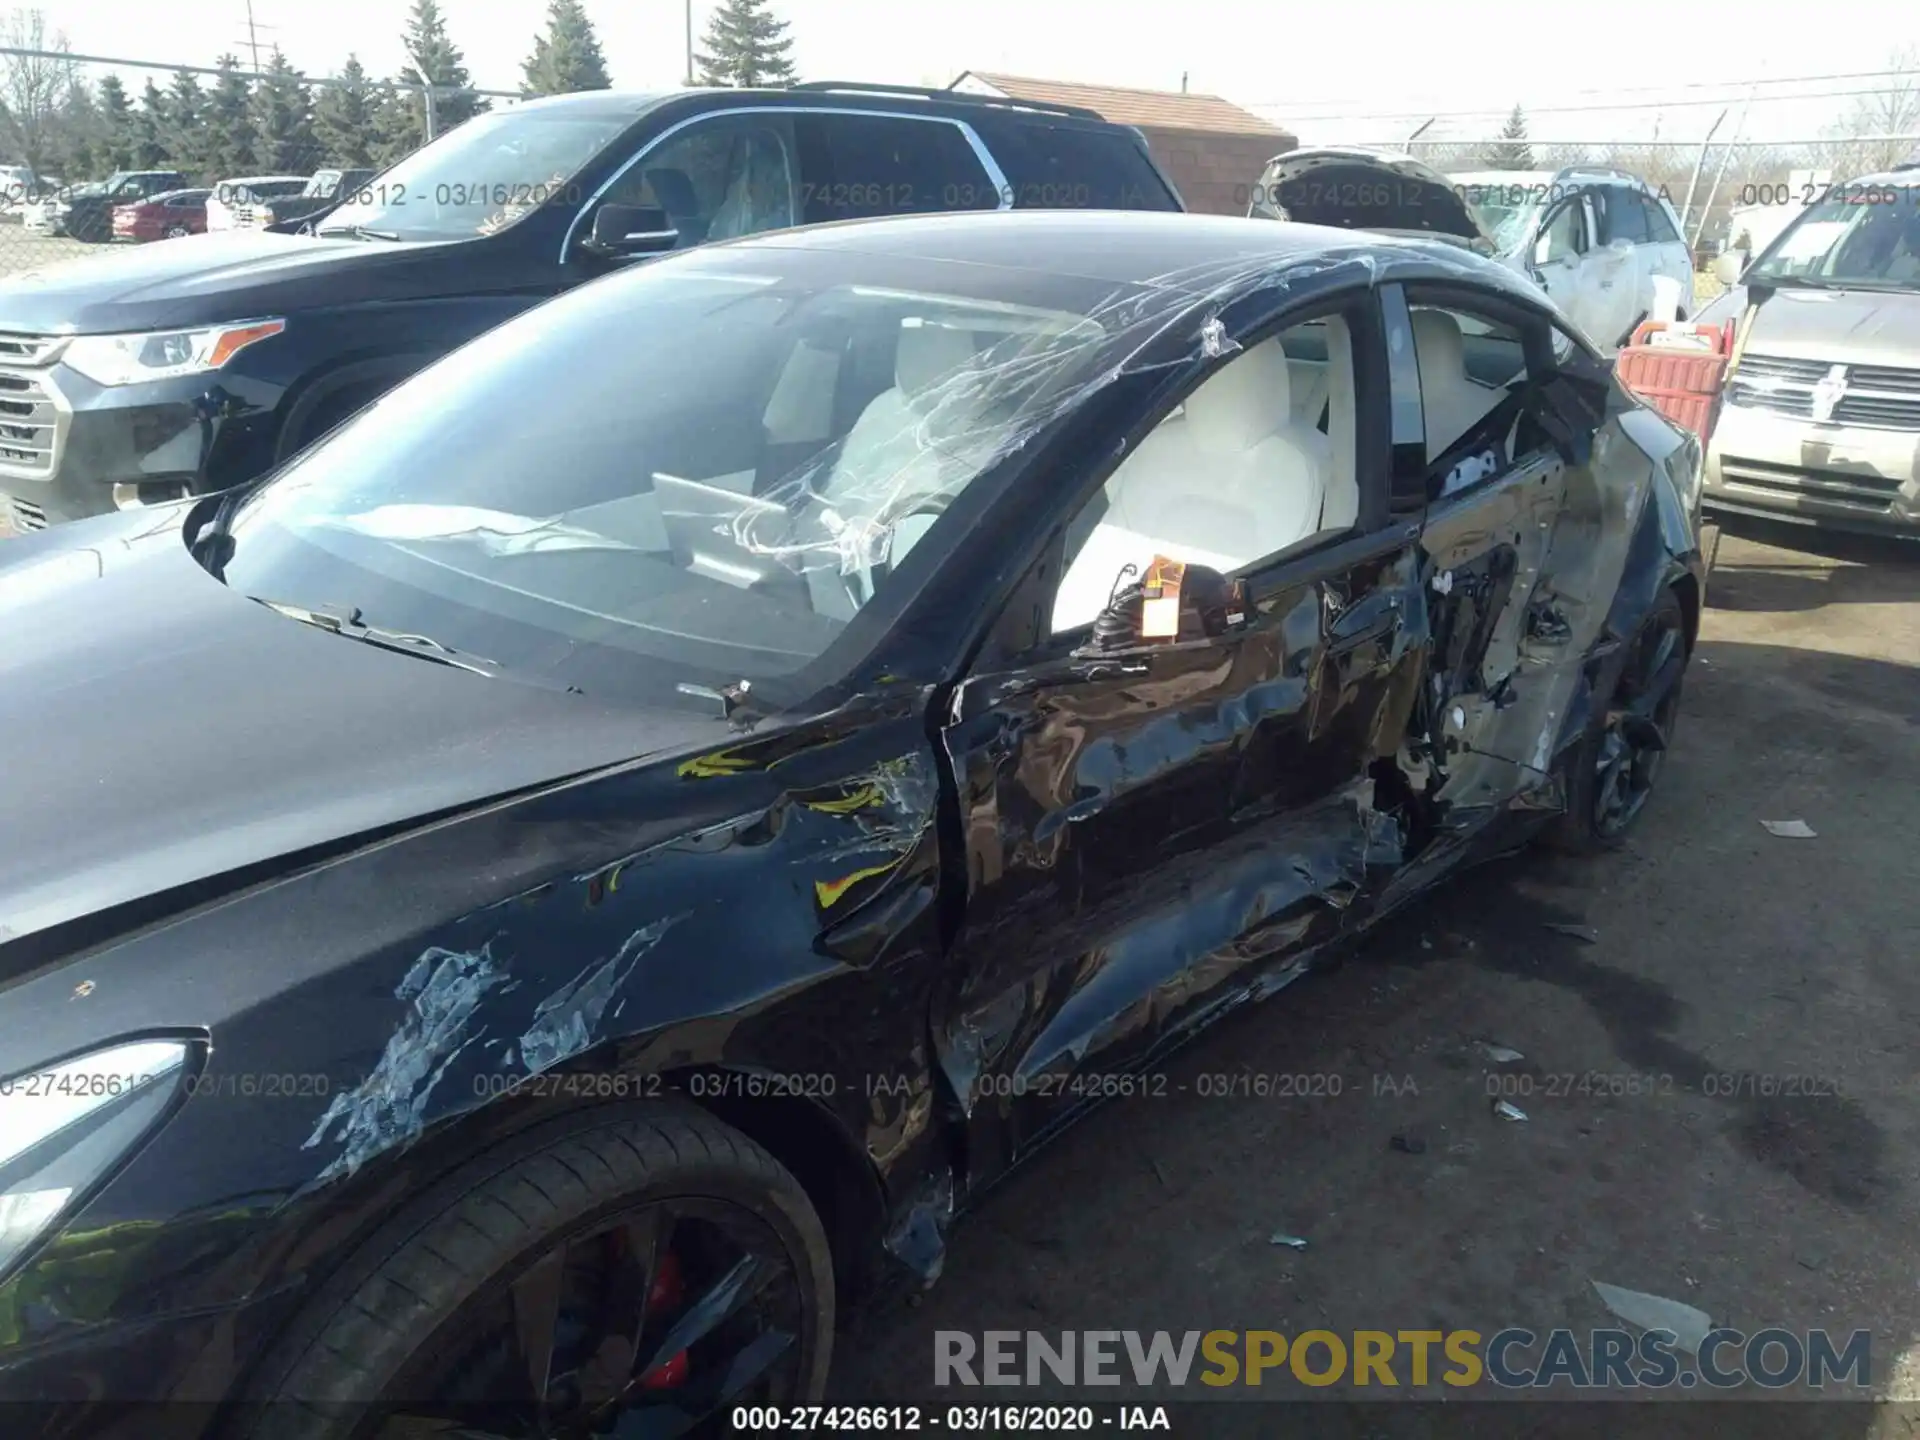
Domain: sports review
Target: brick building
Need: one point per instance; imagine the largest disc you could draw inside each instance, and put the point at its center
(1213, 151)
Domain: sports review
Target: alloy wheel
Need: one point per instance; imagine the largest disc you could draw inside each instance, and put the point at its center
(650, 1323)
(1639, 725)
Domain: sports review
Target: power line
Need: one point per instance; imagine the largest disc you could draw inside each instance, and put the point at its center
(1682, 86)
(1502, 113)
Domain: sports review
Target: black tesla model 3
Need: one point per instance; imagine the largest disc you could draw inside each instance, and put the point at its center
(531, 914)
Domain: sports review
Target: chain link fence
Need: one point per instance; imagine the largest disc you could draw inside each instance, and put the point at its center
(103, 151)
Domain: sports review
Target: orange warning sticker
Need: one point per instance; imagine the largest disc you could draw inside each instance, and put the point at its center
(1160, 599)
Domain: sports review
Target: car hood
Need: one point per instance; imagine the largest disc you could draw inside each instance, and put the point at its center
(207, 279)
(1852, 327)
(162, 729)
(1355, 189)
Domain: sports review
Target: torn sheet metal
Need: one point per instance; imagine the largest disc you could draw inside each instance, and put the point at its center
(443, 991)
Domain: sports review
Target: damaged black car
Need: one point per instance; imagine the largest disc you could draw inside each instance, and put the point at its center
(531, 915)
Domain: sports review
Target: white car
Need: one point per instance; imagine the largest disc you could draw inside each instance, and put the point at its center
(230, 204)
(1604, 245)
(16, 184)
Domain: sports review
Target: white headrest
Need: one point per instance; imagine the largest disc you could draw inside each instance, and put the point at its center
(1244, 402)
(1437, 345)
(928, 353)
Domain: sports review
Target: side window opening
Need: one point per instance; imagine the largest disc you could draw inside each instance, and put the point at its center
(1627, 213)
(718, 180)
(859, 166)
(1473, 384)
(1659, 228)
(1259, 458)
(1564, 237)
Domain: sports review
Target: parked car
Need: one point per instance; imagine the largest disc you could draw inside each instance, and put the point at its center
(167, 216)
(1601, 242)
(922, 684)
(324, 190)
(47, 213)
(16, 184)
(226, 358)
(87, 211)
(1821, 417)
(232, 199)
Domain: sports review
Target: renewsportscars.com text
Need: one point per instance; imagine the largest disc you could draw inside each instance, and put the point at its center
(1513, 1358)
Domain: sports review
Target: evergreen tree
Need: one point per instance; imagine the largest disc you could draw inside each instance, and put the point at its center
(283, 118)
(81, 133)
(232, 139)
(117, 128)
(568, 56)
(1511, 151)
(746, 46)
(437, 61)
(152, 124)
(398, 126)
(343, 118)
(181, 127)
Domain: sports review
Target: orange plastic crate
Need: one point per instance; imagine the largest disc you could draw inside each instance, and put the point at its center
(1679, 370)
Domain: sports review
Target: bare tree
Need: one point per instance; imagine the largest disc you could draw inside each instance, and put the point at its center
(1892, 109)
(34, 87)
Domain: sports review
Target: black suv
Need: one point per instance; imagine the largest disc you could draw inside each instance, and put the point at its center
(172, 370)
(89, 216)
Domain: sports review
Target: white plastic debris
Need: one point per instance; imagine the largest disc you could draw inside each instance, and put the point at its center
(1789, 829)
(1213, 338)
(1688, 1325)
(1292, 1242)
(1500, 1054)
(1443, 583)
(1507, 1110)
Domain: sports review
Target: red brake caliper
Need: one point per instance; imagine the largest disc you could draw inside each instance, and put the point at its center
(664, 1296)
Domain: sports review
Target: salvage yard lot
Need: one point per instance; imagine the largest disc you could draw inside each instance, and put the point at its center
(20, 250)
(1726, 958)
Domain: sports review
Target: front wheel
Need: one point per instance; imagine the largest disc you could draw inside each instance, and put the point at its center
(1611, 774)
(646, 1270)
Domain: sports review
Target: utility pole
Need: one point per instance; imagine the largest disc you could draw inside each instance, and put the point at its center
(690, 80)
(253, 38)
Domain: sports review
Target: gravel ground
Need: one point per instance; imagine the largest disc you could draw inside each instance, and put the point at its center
(1721, 951)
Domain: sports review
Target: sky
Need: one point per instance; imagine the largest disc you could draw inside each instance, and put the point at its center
(1365, 71)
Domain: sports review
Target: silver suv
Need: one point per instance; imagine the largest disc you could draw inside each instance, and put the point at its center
(1821, 421)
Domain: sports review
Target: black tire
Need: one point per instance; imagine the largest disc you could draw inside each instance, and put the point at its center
(466, 1239)
(1585, 828)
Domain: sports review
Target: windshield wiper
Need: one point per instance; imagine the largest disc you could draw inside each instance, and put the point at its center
(345, 621)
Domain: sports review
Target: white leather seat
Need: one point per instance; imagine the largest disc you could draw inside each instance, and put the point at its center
(883, 456)
(1237, 474)
(1232, 478)
(1452, 401)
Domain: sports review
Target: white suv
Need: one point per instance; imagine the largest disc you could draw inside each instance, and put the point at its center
(1602, 243)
